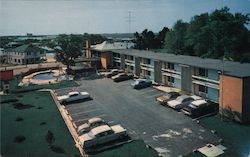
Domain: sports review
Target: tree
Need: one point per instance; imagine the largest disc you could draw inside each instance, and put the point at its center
(216, 35)
(148, 40)
(161, 36)
(175, 39)
(70, 48)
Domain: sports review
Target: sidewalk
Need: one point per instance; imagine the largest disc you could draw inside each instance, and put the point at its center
(167, 89)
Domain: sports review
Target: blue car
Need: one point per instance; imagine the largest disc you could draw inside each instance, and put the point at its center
(141, 83)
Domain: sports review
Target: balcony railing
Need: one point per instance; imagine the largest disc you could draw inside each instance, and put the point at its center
(204, 79)
(146, 65)
(172, 75)
(207, 84)
(170, 71)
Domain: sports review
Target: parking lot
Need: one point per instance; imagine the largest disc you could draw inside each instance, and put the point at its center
(169, 132)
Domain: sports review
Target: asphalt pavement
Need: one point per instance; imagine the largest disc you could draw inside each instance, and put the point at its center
(170, 132)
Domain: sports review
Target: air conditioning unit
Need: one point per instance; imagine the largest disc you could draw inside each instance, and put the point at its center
(203, 95)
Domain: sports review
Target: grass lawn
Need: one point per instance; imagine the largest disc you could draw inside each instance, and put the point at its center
(133, 149)
(14, 88)
(236, 137)
(33, 126)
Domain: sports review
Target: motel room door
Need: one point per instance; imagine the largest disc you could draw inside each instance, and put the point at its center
(186, 78)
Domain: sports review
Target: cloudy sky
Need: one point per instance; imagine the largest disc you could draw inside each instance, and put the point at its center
(18, 17)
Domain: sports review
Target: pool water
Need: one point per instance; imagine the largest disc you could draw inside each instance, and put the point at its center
(45, 76)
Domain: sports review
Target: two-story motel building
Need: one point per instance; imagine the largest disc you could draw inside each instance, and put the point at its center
(225, 82)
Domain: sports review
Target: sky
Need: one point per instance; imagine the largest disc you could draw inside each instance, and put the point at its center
(51, 17)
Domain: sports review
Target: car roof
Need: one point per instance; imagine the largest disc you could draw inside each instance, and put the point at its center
(173, 92)
(199, 102)
(121, 74)
(71, 93)
(95, 119)
(182, 97)
(100, 129)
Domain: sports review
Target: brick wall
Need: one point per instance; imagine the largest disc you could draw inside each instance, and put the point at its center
(231, 94)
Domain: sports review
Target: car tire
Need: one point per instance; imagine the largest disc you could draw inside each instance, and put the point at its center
(63, 102)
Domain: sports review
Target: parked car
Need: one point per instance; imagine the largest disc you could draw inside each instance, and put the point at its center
(180, 102)
(167, 97)
(141, 83)
(122, 77)
(101, 135)
(91, 123)
(73, 96)
(113, 72)
(199, 108)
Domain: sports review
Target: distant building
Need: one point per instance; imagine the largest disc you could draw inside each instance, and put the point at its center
(13, 44)
(25, 54)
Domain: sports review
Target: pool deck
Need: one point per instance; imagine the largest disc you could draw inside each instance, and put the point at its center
(29, 79)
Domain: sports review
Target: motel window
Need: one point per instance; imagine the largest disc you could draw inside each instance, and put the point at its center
(15, 60)
(203, 72)
(18, 60)
(148, 73)
(170, 79)
(202, 88)
(147, 61)
(171, 66)
(117, 55)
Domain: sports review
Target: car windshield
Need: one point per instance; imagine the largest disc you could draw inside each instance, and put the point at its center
(73, 95)
(193, 106)
(137, 82)
(180, 99)
(167, 95)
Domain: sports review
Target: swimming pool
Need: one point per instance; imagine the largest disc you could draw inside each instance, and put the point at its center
(45, 76)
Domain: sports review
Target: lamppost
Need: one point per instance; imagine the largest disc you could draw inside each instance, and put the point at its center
(221, 86)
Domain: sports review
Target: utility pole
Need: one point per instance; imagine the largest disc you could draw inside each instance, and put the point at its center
(129, 22)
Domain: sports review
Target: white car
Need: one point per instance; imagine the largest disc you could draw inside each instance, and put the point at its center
(180, 102)
(73, 96)
(91, 123)
(101, 135)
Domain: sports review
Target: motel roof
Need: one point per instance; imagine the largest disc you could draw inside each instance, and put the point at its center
(26, 48)
(236, 69)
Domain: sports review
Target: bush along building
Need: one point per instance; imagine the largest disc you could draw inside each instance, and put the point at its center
(223, 82)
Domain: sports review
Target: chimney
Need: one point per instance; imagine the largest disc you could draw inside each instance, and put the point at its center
(88, 51)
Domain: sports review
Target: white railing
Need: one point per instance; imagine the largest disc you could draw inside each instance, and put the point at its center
(146, 65)
(171, 71)
(207, 84)
(172, 75)
(205, 79)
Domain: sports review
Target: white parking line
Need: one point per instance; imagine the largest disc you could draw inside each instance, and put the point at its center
(84, 112)
(84, 119)
(77, 107)
(111, 122)
(148, 91)
(155, 95)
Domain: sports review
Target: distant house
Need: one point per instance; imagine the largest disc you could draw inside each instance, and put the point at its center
(25, 54)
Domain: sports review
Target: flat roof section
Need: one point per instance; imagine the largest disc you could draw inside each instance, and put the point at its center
(230, 68)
